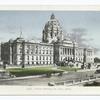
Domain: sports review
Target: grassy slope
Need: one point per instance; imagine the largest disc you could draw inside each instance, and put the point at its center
(69, 68)
(32, 71)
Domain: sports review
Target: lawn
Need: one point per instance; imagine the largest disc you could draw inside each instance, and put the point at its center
(69, 68)
(33, 71)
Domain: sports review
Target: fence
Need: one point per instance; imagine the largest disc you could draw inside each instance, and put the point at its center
(75, 82)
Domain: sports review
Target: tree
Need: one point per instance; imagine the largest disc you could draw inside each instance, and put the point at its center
(96, 60)
(89, 65)
(79, 35)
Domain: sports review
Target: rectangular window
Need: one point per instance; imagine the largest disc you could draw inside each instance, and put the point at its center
(27, 51)
(50, 58)
(61, 58)
(28, 46)
(27, 57)
(36, 51)
(40, 52)
(28, 63)
(40, 57)
(47, 52)
(50, 51)
(36, 57)
(20, 51)
(47, 58)
(32, 57)
(43, 57)
(43, 51)
(32, 62)
(43, 62)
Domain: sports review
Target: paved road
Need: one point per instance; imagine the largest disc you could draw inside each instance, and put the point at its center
(43, 81)
(37, 81)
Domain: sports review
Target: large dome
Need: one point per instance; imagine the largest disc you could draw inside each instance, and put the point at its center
(52, 31)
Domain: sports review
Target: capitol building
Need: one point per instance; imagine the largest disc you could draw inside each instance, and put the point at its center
(53, 48)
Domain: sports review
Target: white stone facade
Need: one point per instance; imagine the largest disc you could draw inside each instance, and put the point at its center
(33, 53)
(53, 48)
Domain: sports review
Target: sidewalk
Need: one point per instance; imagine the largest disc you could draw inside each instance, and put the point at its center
(24, 77)
(84, 70)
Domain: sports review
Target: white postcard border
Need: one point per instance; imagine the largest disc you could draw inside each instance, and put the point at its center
(47, 90)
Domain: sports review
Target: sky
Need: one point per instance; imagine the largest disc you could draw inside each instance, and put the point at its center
(31, 23)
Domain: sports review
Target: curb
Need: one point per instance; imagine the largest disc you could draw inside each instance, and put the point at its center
(20, 78)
